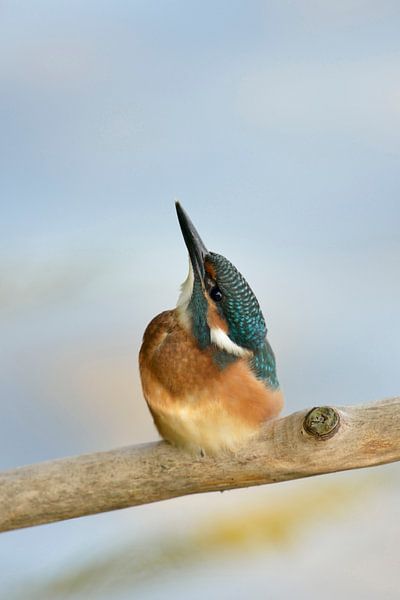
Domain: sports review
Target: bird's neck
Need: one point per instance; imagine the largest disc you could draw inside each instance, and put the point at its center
(192, 314)
(263, 365)
(261, 360)
(197, 309)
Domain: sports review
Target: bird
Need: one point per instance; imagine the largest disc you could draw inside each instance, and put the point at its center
(207, 370)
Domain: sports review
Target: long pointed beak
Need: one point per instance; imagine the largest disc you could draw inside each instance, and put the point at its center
(194, 243)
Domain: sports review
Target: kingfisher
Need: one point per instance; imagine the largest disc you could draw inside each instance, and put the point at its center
(208, 372)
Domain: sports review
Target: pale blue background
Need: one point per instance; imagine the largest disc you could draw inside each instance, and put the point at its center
(277, 126)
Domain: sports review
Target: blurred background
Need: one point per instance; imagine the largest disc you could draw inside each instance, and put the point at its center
(277, 125)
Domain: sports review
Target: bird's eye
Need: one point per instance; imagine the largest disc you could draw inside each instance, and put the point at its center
(215, 294)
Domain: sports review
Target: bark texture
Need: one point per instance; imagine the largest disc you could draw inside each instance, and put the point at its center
(302, 444)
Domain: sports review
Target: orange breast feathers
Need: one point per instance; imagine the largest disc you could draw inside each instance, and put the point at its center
(195, 404)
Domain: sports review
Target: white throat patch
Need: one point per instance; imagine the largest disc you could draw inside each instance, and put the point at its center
(186, 290)
(184, 298)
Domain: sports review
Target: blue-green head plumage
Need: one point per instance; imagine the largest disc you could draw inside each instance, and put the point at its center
(238, 304)
(215, 285)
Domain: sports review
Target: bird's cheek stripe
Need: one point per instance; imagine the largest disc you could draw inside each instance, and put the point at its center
(210, 269)
(214, 319)
(224, 342)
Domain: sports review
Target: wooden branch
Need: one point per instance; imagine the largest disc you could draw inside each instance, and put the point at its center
(302, 444)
